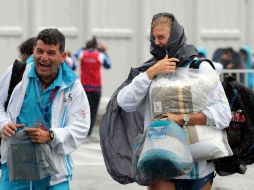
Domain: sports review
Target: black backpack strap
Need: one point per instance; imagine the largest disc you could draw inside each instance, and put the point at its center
(16, 76)
(195, 63)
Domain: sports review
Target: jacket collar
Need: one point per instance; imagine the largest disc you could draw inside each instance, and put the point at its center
(65, 77)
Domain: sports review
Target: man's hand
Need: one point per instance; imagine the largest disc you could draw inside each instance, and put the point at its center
(162, 67)
(38, 135)
(10, 130)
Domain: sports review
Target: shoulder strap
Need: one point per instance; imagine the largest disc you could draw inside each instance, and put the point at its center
(16, 76)
(195, 63)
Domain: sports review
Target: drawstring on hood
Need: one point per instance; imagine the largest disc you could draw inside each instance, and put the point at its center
(176, 46)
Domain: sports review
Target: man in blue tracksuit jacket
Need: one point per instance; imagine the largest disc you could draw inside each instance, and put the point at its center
(50, 94)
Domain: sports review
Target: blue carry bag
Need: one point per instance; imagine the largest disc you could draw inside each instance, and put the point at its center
(162, 153)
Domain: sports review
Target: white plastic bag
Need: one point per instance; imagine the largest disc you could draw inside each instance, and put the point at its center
(186, 91)
(208, 143)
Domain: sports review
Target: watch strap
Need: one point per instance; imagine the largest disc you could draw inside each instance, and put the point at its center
(51, 134)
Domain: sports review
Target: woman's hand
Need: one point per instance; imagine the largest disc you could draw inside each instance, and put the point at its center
(194, 118)
(162, 67)
(177, 118)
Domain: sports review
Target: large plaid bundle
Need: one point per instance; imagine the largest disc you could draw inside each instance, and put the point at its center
(188, 91)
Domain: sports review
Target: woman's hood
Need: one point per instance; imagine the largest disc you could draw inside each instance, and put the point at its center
(176, 46)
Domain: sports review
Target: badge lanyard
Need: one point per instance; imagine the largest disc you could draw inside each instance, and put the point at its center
(45, 111)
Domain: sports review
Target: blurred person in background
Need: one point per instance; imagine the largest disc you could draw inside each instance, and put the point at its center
(228, 57)
(91, 59)
(26, 50)
(70, 60)
(246, 57)
(202, 53)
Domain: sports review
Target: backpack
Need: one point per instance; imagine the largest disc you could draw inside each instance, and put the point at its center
(241, 129)
(118, 130)
(16, 76)
(240, 132)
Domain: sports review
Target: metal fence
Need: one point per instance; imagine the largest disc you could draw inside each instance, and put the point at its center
(240, 75)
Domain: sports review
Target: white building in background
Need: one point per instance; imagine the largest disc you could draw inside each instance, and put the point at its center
(123, 25)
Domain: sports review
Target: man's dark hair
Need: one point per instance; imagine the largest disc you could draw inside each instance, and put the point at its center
(52, 36)
(26, 48)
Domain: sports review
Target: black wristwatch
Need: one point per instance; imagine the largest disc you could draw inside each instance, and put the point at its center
(51, 134)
